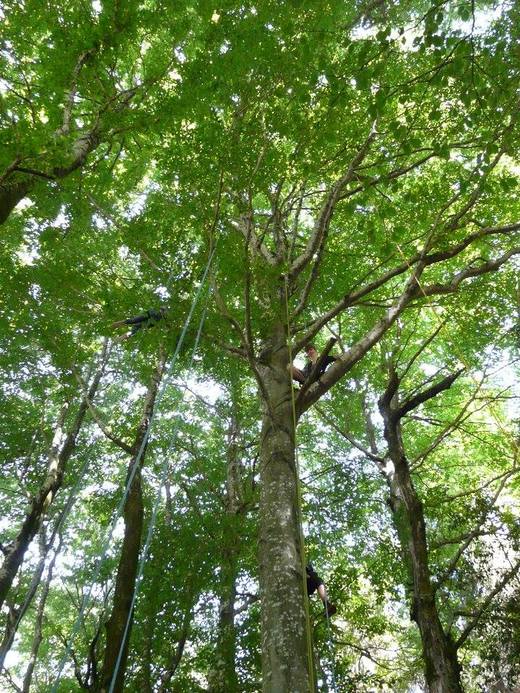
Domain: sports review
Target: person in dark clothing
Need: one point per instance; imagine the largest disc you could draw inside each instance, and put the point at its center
(315, 583)
(301, 375)
(144, 320)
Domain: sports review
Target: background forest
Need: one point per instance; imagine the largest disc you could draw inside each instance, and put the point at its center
(341, 172)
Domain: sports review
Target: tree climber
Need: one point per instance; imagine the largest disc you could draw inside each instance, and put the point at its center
(144, 320)
(312, 358)
(314, 582)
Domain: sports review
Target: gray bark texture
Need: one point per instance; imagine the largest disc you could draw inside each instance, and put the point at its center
(133, 513)
(286, 653)
(10, 195)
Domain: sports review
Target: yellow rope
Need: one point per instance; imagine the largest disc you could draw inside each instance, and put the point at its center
(312, 684)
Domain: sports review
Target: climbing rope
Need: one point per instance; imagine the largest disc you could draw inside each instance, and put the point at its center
(151, 525)
(331, 648)
(131, 475)
(312, 683)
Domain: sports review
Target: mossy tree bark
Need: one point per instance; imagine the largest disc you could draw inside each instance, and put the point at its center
(442, 669)
(286, 661)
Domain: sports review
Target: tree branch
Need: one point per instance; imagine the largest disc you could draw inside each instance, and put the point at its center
(486, 603)
(354, 297)
(322, 224)
(469, 272)
(427, 394)
(97, 418)
(472, 535)
(328, 420)
(348, 359)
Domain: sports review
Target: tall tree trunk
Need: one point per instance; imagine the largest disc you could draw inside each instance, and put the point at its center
(40, 503)
(442, 670)
(286, 652)
(129, 560)
(223, 677)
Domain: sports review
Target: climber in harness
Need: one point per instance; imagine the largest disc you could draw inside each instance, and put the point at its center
(315, 583)
(301, 375)
(144, 320)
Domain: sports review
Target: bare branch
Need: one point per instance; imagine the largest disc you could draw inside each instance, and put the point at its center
(223, 309)
(328, 420)
(423, 346)
(469, 272)
(259, 249)
(64, 129)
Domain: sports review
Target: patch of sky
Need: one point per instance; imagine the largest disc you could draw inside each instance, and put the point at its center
(29, 251)
(179, 54)
(162, 292)
(99, 222)
(123, 252)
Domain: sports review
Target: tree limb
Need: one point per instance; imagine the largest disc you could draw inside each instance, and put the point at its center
(469, 272)
(486, 603)
(355, 296)
(427, 394)
(97, 418)
(322, 224)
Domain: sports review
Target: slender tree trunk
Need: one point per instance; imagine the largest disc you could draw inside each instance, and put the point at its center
(16, 614)
(223, 677)
(42, 500)
(129, 560)
(286, 653)
(38, 634)
(179, 650)
(442, 669)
